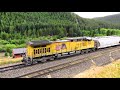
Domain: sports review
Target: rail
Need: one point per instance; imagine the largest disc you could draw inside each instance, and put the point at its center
(93, 59)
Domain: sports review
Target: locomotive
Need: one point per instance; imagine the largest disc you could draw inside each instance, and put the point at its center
(49, 50)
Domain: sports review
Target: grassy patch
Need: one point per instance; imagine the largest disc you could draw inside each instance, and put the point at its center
(7, 60)
(111, 70)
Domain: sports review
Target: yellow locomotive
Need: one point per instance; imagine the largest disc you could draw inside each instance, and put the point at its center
(49, 50)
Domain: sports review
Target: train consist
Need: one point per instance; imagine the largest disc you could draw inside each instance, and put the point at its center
(49, 50)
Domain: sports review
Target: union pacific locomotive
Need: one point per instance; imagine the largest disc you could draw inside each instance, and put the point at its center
(49, 50)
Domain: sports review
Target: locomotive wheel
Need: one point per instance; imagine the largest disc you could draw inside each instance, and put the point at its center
(68, 53)
(93, 49)
(56, 56)
(28, 62)
(75, 51)
(43, 61)
(86, 51)
(82, 52)
(90, 50)
(52, 58)
(34, 62)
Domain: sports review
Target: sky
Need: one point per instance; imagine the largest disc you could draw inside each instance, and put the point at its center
(95, 14)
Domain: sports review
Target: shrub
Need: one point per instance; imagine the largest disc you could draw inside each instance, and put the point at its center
(4, 42)
(10, 46)
(1, 49)
(10, 54)
(54, 38)
(21, 46)
(6, 54)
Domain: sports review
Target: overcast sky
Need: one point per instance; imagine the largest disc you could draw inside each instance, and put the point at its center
(95, 14)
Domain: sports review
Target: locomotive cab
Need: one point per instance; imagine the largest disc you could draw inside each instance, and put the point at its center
(35, 50)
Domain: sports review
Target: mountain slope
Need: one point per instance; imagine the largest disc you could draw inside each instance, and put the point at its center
(111, 18)
(17, 25)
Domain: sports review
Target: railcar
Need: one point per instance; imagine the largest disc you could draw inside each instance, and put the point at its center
(106, 41)
(49, 50)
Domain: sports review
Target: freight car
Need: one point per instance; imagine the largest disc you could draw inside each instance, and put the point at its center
(106, 41)
(49, 50)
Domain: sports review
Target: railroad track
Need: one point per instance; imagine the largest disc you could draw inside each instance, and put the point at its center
(18, 66)
(7, 68)
(49, 70)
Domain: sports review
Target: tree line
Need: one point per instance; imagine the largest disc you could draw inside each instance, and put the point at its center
(17, 28)
(20, 25)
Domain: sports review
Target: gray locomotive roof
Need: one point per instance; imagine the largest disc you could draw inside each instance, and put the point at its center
(19, 50)
(80, 38)
(61, 41)
(39, 43)
(74, 38)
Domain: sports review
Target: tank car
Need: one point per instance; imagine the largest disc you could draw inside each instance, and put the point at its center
(107, 41)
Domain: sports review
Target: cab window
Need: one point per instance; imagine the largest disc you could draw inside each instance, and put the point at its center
(45, 50)
(49, 49)
(38, 51)
(34, 51)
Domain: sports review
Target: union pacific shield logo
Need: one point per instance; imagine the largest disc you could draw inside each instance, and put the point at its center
(61, 47)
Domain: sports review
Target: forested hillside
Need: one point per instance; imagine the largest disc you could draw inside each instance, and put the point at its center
(16, 25)
(16, 28)
(111, 18)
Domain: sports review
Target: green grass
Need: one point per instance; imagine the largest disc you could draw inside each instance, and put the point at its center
(110, 71)
(7, 60)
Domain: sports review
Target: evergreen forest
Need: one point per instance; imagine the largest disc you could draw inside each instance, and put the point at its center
(17, 28)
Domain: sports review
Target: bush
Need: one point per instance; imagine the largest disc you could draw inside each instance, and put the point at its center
(1, 49)
(10, 54)
(6, 54)
(21, 46)
(54, 38)
(15, 41)
(10, 46)
(8, 49)
(4, 42)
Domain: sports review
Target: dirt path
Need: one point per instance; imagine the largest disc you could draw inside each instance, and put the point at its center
(96, 72)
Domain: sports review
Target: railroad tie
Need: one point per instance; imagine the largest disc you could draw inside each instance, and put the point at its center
(93, 62)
